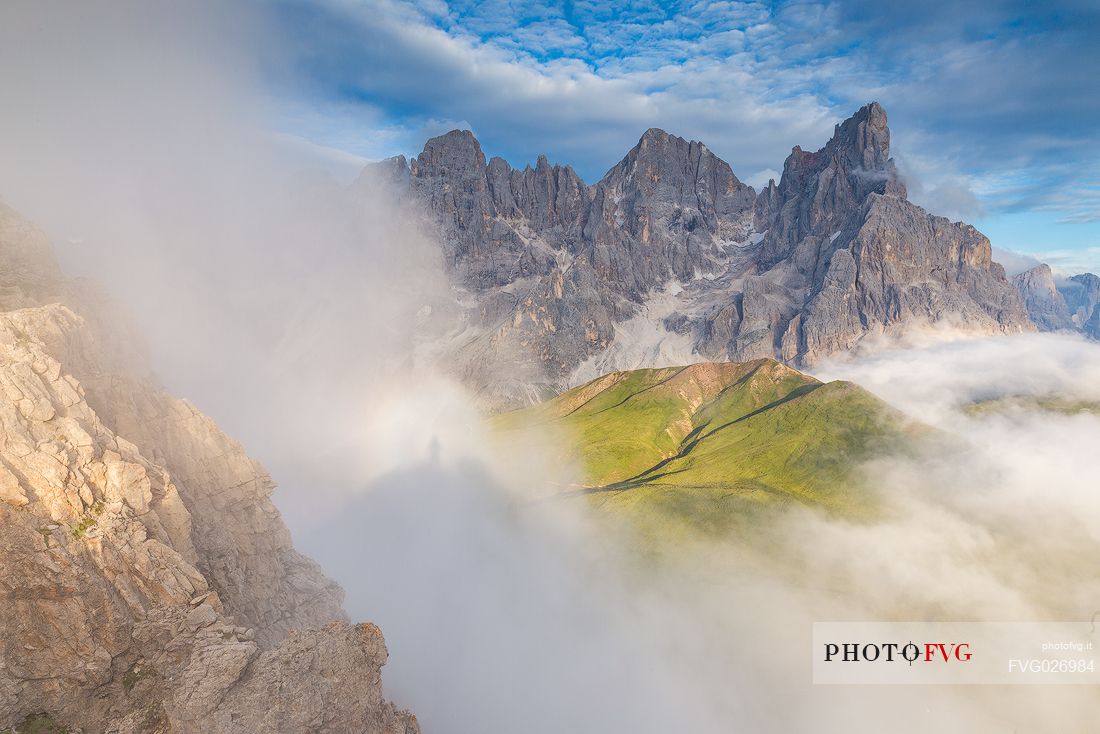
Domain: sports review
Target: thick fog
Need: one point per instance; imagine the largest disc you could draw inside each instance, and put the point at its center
(513, 607)
(291, 309)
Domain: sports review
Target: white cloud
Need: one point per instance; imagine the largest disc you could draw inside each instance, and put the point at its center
(1014, 262)
(751, 80)
(1071, 262)
(760, 179)
(567, 108)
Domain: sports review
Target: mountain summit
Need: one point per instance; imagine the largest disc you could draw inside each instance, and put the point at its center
(671, 258)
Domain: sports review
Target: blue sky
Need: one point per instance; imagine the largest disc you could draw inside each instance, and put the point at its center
(994, 106)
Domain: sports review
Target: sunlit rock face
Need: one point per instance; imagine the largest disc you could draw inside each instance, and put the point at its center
(549, 271)
(150, 582)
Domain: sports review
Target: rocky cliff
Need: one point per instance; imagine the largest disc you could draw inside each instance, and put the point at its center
(149, 583)
(1082, 296)
(553, 276)
(1070, 304)
(1045, 304)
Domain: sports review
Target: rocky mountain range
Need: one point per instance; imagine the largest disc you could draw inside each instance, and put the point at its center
(670, 258)
(149, 583)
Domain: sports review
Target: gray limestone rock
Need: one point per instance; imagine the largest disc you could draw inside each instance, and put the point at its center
(1044, 302)
(811, 265)
(1082, 297)
(663, 211)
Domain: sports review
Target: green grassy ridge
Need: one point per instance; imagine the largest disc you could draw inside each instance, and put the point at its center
(712, 443)
(1045, 403)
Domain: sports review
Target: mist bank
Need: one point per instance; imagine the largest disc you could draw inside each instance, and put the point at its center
(552, 612)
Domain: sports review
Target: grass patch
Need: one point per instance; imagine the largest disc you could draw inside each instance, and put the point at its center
(1043, 403)
(81, 528)
(131, 677)
(37, 724)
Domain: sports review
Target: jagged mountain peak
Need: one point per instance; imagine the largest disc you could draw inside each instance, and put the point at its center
(1040, 272)
(872, 113)
(454, 137)
(655, 136)
(662, 148)
(820, 191)
(669, 168)
(1045, 305)
(457, 153)
(864, 138)
(805, 268)
(859, 149)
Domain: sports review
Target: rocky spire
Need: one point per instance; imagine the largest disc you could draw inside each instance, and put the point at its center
(455, 157)
(821, 191)
(450, 175)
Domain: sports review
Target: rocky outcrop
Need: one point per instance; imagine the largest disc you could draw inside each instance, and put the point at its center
(149, 583)
(810, 266)
(1044, 302)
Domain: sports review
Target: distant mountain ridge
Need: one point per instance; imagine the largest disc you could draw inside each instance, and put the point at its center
(1071, 304)
(559, 270)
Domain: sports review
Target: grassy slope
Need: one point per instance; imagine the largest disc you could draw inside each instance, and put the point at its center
(712, 443)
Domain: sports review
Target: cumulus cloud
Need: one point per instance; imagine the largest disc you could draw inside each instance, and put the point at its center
(748, 79)
(564, 106)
